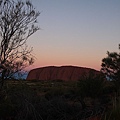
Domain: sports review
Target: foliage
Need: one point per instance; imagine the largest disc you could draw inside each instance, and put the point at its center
(17, 102)
(91, 85)
(113, 113)
(17, 24)
(42, 100)
(111, 66)
(26, 102)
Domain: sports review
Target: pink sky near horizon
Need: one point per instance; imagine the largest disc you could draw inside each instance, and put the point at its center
(75, 32)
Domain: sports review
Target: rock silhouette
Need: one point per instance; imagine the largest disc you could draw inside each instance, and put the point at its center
(66, 73)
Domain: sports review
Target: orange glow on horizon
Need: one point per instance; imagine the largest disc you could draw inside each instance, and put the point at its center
(44, 64)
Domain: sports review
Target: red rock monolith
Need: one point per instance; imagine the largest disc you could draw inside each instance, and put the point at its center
(66, 73)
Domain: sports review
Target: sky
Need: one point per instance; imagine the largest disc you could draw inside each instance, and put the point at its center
(75, 32)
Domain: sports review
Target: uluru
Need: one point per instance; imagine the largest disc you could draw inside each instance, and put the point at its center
(67, 73)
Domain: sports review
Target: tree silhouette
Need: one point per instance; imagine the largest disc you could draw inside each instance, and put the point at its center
(111, 66)
(17, 23)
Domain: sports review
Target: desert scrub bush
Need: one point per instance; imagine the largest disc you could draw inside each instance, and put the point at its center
(7, 108)
(54, 92)
(57, 108)
(20, 100)
(113, 113)
(91, 86)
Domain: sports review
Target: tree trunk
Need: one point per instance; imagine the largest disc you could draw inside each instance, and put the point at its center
(2, 79)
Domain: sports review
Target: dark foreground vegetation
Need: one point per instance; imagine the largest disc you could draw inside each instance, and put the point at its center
(92, 98)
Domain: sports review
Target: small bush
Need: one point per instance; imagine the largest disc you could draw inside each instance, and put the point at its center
(91, 86)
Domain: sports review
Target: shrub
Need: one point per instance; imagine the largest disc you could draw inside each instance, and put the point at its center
(91, 86)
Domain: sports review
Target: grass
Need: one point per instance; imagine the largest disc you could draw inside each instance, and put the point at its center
(54, 100)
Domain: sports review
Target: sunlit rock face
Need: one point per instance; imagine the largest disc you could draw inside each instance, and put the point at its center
(66, 73)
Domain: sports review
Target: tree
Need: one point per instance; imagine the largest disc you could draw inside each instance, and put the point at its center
(111, 66)
(18, 21)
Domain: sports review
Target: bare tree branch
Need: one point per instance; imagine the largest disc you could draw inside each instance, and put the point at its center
(17, 24)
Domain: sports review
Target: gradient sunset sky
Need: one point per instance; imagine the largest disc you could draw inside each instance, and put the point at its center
(75, 32)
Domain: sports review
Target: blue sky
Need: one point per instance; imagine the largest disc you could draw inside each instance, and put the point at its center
(75, 32)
